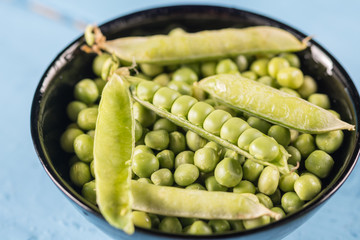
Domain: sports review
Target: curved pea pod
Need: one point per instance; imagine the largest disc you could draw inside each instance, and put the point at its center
(271, 104)
(280, 162)
(204, 45)
(113, 146)
(171, 201)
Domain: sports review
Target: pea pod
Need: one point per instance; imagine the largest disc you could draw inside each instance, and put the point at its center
(204, 45)
(280, 162)
(113, 144)
(271, 104)
(171, 201)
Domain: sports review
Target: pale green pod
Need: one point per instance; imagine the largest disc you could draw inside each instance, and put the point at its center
(271, 104)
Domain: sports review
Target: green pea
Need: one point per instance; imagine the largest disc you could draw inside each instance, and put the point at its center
(142, 148)
(199, 228)
(162, 177)
(278, 210)
(290, 77)
(219, 225)
(252, 170)
(165, 97)
(291, 202)
(247, 137)
(208, 69)
(286, 183)
(212, 185)
(186, 174)
(138, 131)
(198, 112)
(67, 139)
(260, 67)
(144, 164)
(177, 142)
(290, 91)
(256, 222)
(87, 118)
(226, 66)
(206, 159)
(151, 69)
(280, 134)
(158, 139)
(228, 172)
(100, 83)
(295, 155)
(276, 197)
(211, 101)
(244, 186)
(308, 87)
(265, 200)
(232, 129)
(73, 109)
(320, 99)
(182, 105)
(250, 75)
(184, 157)
(293, 135)
(264, 148)
(231, 111)
(275, 64)
(292, 58)
(162, 79)
(195, 186)
(232, 154)
(187, 221)
(145, 180)
(145, 116)
(88, 192)
(242, 63)
(269, 180)
(305, 144)
(166, 159)
(330, 141)
(99, 62)
(83, 147)
(269, 81)
(86, 91)
(259, 124)
(214, 121)
(155, 221)
(237, 225)
(80, 174)
(319, 163)
(198, 93)
(336, 114)
(92, 169)
(145, 90)
(181, 87)
(73, 125)
(164, 124)
(177, 32)
(194, 141)
(307, 186)
(91, 133)
(170, 224)
(185, 74)
(141, 219)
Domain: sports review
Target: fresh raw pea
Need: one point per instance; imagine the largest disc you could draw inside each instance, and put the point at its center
(228, 172)
(83, 147)
(151, 69)
(177, 142)
(80, 173)
(144, 164)
(181, 87)
(199, 228)
(271, 104)
(244, 186)
(308, 87)
(226, 66)
(186, 75)
(330, 141)
(276, 64)
(186, 174)
(162, 177)
(268, 180)
(68, 137)
(212, 185)
(265, 200)
(166, 159)
(73, 109)
(141, 219)
(307, 186)
(99, 62)
(260, 66)
(205, 205)
(286, 182)
(158, 139)
(164, 124)
(86, 91)
(88, 191)
(290, 77)
(184, 157)
(319, 163)
(206, 159)
(259, 124)
(170, 225)
(87, 118)
(113, 146)
(219, 226)
(320, 99)
(305, 143)
(291, 202)
(204, 45)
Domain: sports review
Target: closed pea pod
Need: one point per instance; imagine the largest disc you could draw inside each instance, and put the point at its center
(268, 180)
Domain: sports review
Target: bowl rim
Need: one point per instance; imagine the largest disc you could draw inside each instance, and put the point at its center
(60, 183)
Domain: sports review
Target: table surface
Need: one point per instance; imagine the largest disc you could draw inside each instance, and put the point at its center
(34, 31)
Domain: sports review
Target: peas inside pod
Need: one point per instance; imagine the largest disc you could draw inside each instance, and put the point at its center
(188, 144)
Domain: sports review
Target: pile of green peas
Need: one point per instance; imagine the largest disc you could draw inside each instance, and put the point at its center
(169, 155)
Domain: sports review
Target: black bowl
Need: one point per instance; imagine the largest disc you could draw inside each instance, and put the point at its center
(48, 116)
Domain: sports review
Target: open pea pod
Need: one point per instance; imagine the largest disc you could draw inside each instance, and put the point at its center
(113, 145)
(280, 162)
(271, 104)
(172, 201)
(204, 45)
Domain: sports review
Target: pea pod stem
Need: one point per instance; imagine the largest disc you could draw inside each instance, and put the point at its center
(282, 165)
(171, 201)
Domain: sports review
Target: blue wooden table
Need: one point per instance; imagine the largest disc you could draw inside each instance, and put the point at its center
(32, 33)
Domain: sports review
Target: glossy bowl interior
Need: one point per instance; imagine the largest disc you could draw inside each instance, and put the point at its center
(48, 115)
